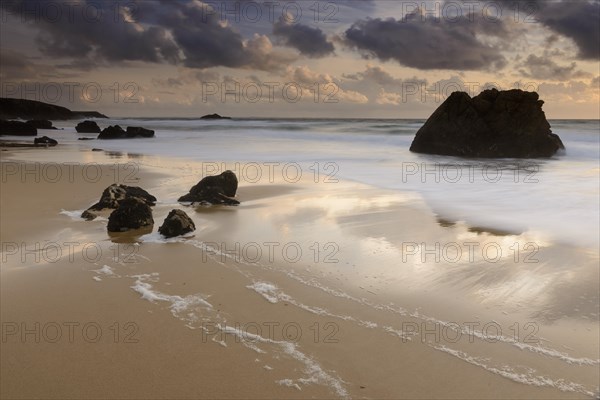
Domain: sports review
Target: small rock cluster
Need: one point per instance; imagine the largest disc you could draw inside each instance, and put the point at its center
(132, 205)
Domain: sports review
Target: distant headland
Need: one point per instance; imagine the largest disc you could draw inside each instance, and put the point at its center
(31, 109)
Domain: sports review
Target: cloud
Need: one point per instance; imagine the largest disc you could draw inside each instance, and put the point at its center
(188, 33)
(425, 42)
(106, 33)
(577, 20)
(15, 66)
(543, 68)
(310, 41)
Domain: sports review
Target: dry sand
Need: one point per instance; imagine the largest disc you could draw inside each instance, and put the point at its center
(234, 311)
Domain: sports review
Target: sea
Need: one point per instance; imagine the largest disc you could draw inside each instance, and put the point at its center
(558, 197)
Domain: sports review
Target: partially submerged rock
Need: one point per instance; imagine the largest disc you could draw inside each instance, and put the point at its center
(133, 213)
(216, 189)
(116, 132)
(177, 223)
(17, 128)
(87, 127)
(492, 124)
(88, 215)
(44, 141)
(115, 194)
(138, 131)
(41, 124)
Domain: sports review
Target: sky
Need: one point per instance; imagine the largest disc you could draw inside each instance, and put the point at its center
(297, 59)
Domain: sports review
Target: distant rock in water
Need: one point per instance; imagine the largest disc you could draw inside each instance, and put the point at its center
(213, 116)
(31, 109)
(116, 132)
(41, 124)
(115, 194)
(133, 213)
(87, 127)
(136, 131)
(45, 141)
(17, 128)
(177, 223)
(216, 189)
(492, 124)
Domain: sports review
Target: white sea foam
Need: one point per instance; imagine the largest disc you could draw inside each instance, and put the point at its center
(528, 379)
(178, 304)
(267, 290)
(76, 215)
(105, 270)
(416, 314)
(316, 374)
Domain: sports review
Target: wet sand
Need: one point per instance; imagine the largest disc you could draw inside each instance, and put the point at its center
(306, 290)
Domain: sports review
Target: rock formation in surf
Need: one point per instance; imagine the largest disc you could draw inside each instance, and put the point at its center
(114, 195)
(492, 124)
(218, 189)
(133, 213)
(87, 127)
(116, 132)
(177, 223)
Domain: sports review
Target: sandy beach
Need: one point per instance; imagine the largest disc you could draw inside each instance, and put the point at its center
(307, 289)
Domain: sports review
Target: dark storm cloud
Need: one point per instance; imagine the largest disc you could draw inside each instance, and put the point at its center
(310, 41)
(576, 20)
(579, 21)
(426, 42)
(99, 29)
(186, 33)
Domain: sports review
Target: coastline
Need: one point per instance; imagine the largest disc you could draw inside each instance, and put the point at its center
(365, 297)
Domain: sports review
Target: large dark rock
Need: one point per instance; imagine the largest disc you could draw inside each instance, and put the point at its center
(493, 124)
(216, 189)
(45, 141)
(115, 194)
(31, 109)
(116, 132)
(177, 223)
(133, 213)
(214, 116)
(87, 127)
(41, 124)
(17, 128)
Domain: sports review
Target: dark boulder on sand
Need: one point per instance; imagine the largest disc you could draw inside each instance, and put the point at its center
(492, 124)
(17, 128)
(133, 213)
(214, 116)
(87, 127)
(44, 141)
(177, 223)
(41, 124)
(116, 132)
(115, 194)
(216, 189)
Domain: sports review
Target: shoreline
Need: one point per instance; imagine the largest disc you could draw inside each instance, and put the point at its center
(373, 303)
